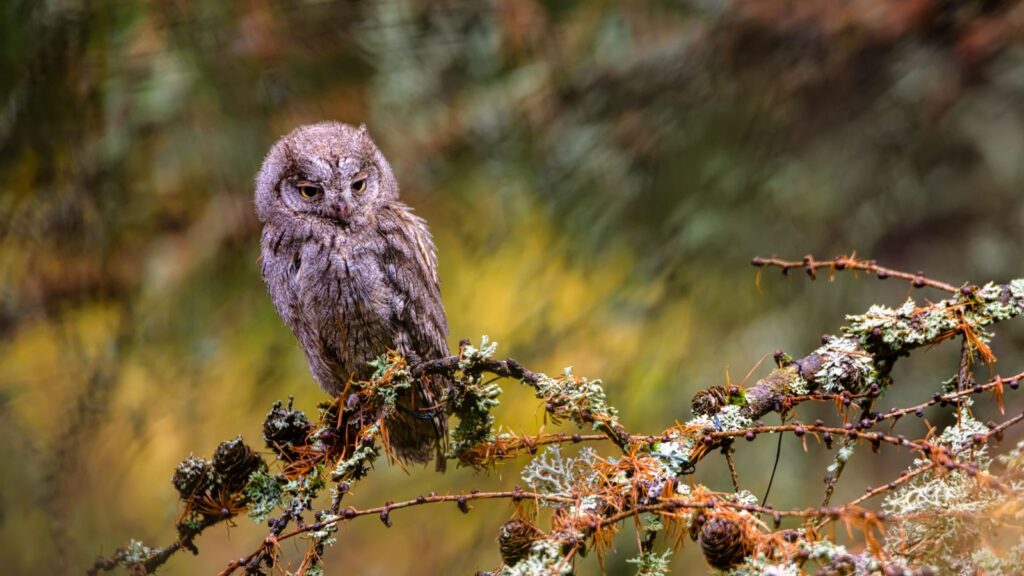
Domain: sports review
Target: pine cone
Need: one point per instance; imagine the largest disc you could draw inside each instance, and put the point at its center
(283, 429)
(724, 544)
(192, 477)
(233, 462)
(515, 540)
(709, 402)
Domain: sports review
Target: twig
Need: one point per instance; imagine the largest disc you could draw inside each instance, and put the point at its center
(840, 263)
(732, 470)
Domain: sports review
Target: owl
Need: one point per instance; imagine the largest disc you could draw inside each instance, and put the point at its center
(352, 271)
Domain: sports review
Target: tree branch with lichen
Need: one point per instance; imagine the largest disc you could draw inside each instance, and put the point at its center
(589, 496)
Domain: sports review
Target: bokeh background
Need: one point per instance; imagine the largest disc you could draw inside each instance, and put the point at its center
(597, 176)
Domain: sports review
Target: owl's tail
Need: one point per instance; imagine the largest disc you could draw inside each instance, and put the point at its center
(419, 429)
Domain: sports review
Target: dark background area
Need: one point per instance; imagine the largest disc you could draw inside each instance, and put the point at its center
(597, 176)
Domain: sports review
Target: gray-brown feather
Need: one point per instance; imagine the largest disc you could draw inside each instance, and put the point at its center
(352, 288)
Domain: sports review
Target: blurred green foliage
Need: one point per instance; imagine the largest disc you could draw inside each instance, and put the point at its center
(596, 174)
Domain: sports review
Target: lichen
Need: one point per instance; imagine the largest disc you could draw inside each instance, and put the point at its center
(552, 474)
(991, 563)
(470, 356)
(674, 453)
(390, 376)
(900, 328)
(761, 566)
(959, 439)
(362, 457)
(545, 559)
(842, 455)
(472, 403)
(263, 494)
(950, 514)
(845, 367)
(652, 564)
(1014, 461)
(745, 497)
(576, 397)
(136, 553)
(910, 326)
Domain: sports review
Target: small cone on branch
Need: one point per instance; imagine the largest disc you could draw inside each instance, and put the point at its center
(192, 477)
(284, 429)
(233, 462)
(724, 543)
(515, 540)
(709, 402)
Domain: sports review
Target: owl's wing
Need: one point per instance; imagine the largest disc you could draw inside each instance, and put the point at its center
(410, 268)
(419, 327)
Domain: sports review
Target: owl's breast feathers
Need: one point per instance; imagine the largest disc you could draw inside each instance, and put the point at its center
(353, 294)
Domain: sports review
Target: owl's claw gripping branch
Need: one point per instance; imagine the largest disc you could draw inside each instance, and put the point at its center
(588, 496)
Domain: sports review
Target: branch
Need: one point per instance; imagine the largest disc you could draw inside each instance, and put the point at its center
(840, 263)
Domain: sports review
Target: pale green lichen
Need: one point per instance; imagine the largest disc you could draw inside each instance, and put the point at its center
(909, 326)
(652, 522)
(552, 474)
(652, 564)
(472, 400)
(993, 564)
(1014, 460)
(761, 566)
(842, 455)
(821, 550)
(674, 454)
(136, 553)
(264, 493)
(950, 514)
(744, 497)
(730, 418)
(399, 379)
(545, 559)
(959, 439)
(826, 553)
(590, 505)
(361, 458)
(470, 356)
(798, 387)
(576, 397)
(900, 328)
(845, 367)
(991, 295)
(472, 404)
(1017, 290)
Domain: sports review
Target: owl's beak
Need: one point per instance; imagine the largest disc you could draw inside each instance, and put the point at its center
(343, 210)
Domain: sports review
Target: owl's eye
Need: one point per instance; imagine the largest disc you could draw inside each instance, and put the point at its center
(308, 190)
(359, 185)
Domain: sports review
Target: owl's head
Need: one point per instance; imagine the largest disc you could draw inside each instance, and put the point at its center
(329, 171)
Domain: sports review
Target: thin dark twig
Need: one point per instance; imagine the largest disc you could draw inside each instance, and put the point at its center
(778, 453)
(732, 470)
(811, 265)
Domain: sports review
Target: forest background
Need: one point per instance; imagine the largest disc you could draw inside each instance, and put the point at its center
(597, 176)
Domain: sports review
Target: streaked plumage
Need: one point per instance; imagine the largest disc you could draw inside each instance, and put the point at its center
(351, 271)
